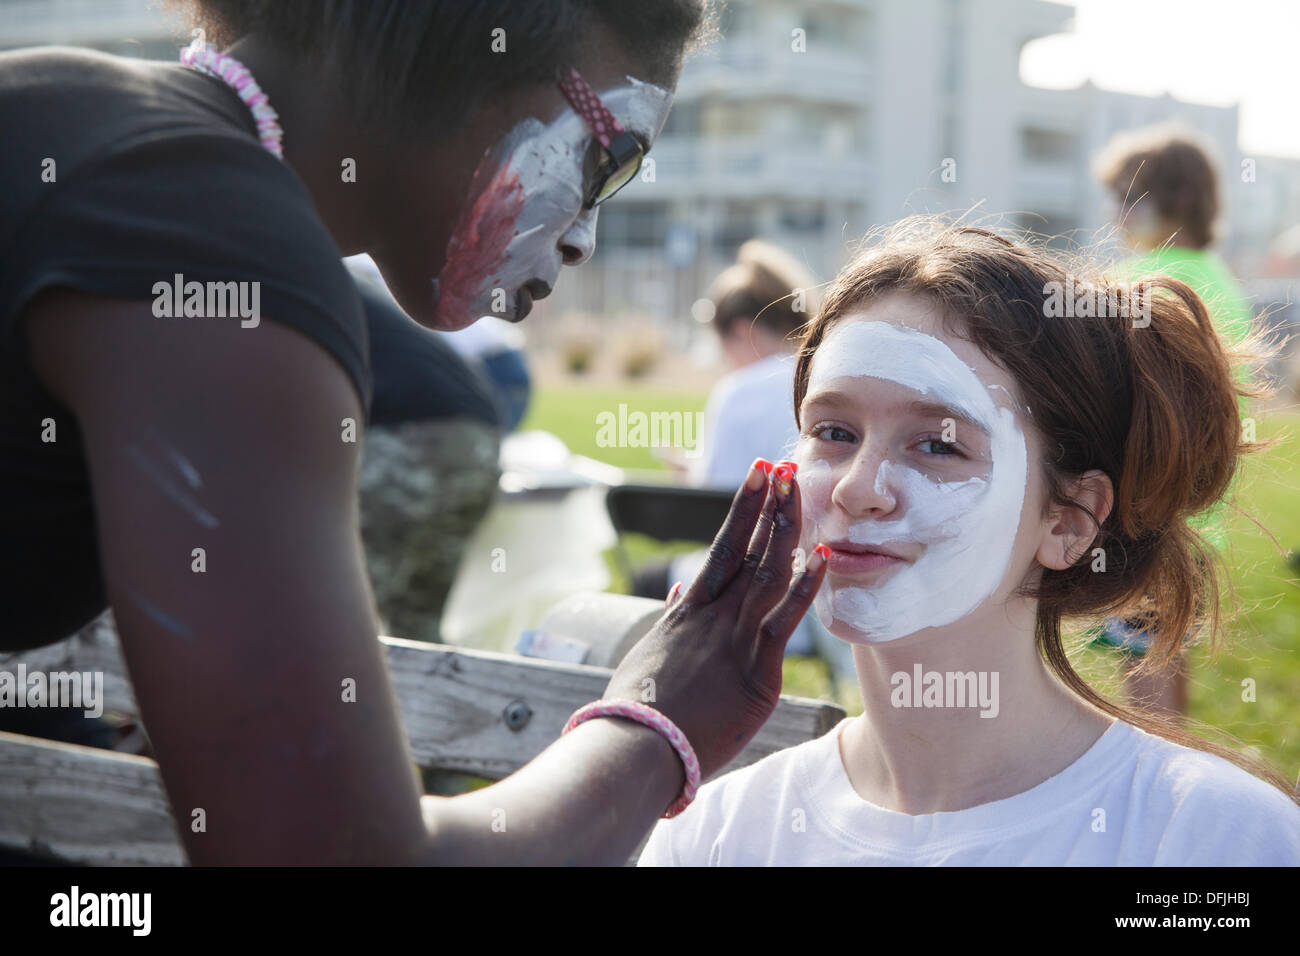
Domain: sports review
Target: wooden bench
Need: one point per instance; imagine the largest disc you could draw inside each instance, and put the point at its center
(466, 711)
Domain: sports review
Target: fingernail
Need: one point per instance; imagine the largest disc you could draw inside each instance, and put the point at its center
(794, 468)
(758, 473)
(782, 475)
(672, 595)
(821, 554)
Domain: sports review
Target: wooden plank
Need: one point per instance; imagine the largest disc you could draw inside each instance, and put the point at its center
(84, 805)
(454, 701)
(95, 806)
(454, 705)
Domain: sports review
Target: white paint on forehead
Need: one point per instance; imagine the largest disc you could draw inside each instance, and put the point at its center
(640, 106)
(555, 150)
(899, 354)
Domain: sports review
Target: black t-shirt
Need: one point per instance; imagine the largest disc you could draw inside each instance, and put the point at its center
(419, 377)
(118, 174)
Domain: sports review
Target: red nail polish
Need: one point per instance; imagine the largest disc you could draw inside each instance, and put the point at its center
(821, 554)
(794, 469)
(782, 475)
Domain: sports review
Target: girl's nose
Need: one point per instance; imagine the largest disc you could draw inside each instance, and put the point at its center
(863, 491)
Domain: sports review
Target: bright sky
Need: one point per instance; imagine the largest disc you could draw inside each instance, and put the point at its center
(1201, 51)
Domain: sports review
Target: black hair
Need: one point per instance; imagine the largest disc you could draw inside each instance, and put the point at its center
(420, 64)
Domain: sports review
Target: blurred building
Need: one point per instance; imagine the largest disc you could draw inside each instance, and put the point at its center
(807, 123)
(125, 27)
(1267, 215)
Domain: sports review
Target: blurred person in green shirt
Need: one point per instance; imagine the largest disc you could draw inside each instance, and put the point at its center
(1167, 192)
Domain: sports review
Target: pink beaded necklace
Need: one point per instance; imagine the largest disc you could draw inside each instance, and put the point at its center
(207, 59)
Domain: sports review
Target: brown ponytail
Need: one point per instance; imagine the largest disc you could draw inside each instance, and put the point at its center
(1145, 393)
(765, 287)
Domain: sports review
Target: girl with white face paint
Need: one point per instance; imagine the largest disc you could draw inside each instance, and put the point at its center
(980, 472)
(942, 509)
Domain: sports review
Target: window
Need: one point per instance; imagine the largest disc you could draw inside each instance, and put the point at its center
(728, 119)
(1059, 231)
(1046, 145)
(631, 225)
(805, 218)
(683, 120)
(739, 223)
(834, 30)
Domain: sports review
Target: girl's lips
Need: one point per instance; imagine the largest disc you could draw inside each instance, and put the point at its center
(856, 560)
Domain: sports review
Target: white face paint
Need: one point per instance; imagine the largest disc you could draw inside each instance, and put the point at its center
(964, 530)
(526, 194)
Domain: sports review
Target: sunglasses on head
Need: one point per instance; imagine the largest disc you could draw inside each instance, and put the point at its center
(623, 151)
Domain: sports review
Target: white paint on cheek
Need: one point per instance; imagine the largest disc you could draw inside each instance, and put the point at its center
(880, 487)
(929, 510)
(814, 476)
(815, 486)
(967, 529)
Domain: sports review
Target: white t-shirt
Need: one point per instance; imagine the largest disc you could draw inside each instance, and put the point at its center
(1163, 805)
(749, 414)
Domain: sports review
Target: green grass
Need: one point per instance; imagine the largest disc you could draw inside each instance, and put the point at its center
(572, 412)
(1262, 633)
(1263, 628)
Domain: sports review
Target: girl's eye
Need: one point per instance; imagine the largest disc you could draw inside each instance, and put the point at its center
(832, 433)
(938, 447)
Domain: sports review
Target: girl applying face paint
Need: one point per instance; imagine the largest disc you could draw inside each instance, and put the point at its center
(526, 195)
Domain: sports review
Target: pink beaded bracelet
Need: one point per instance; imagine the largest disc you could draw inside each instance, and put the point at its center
(654, 719)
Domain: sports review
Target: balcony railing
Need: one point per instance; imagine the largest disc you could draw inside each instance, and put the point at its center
(749, 68)
(743, 168)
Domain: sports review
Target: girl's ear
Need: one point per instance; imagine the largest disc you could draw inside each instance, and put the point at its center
(1071, 529)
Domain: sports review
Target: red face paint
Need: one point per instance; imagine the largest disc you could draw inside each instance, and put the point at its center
(477, 246)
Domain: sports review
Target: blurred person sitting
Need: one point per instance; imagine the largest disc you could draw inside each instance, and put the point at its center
(1167, 192)
(758, 303)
